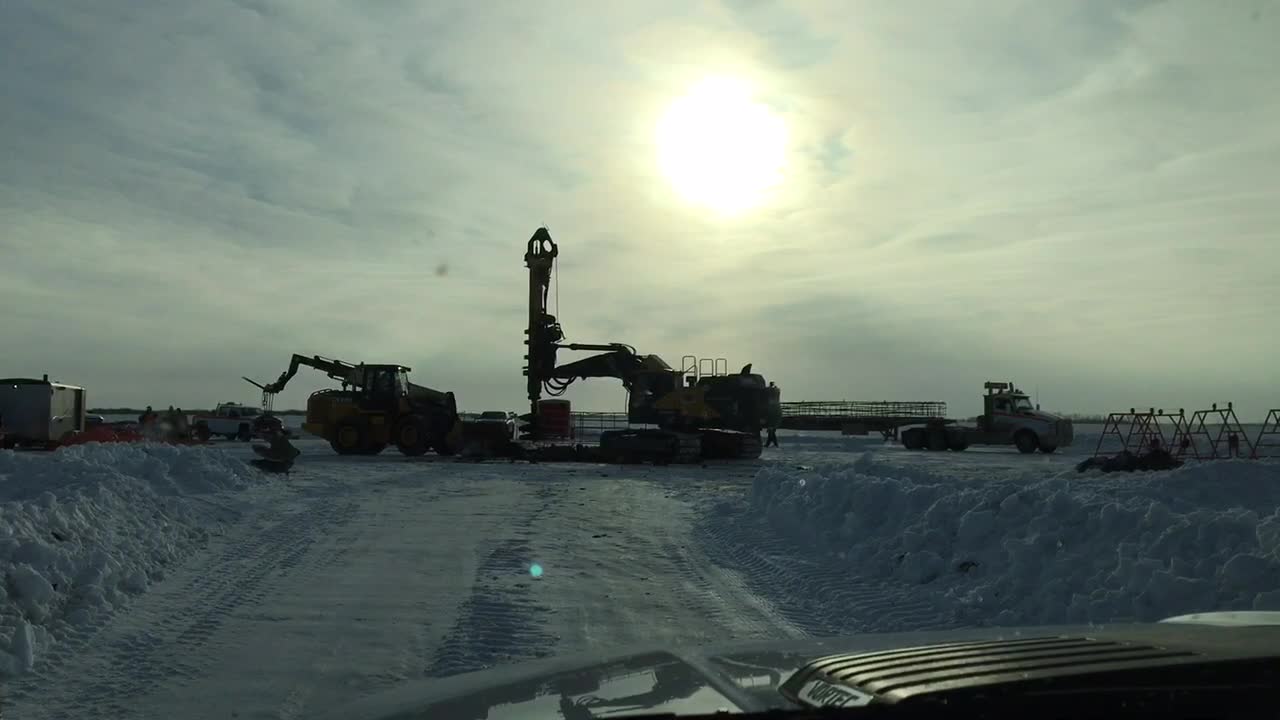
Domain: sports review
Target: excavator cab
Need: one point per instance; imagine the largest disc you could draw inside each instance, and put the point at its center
(645, 397)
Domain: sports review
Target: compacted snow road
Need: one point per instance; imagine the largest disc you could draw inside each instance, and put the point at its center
(160, 582)
(358, 573)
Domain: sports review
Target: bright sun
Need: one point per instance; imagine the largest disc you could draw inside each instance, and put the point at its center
(720, 148)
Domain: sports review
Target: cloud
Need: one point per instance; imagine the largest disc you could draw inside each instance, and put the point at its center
(1080, 195)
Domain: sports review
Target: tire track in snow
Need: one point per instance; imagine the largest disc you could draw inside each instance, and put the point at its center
(500, 622)
(631, 573)
(815, 594)
(174, 622)
(725, 601)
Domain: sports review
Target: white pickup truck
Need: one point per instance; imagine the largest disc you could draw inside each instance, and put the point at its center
(232, 421)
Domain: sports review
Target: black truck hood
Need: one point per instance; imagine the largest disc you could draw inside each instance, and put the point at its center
(750, 676)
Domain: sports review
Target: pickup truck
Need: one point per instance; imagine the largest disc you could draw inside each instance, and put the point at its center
(234, 422)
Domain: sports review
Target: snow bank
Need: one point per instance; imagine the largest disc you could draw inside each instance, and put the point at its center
(1022, 549)
(85, 527)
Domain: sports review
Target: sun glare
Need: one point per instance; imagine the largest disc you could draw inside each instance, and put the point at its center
(720, 148)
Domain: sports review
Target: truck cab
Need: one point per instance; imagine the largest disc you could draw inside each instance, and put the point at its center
(1009, 412)
(1008, 418)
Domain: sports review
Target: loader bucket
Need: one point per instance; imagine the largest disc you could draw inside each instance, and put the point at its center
(453, 440)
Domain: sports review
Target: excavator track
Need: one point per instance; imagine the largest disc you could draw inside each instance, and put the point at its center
(730, 445)
(663, 447)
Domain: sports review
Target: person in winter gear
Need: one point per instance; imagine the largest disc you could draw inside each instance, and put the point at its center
(775, 417)
(181, 427)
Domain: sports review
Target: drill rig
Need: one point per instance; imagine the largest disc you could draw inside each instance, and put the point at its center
(377, 406)
(696, 416)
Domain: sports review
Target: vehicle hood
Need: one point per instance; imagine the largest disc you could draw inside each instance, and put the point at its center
(1042, 415)
(735, 677)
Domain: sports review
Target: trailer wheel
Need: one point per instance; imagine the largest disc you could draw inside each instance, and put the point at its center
(244, 434)
(958, 444)
(202, 432)
(938, 439)
(1026, 442)
(913, 438)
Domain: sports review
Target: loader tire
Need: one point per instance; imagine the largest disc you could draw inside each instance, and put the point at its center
(350, 437)
(442, 446)
(412, 436)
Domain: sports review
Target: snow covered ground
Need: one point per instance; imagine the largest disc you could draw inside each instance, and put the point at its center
(151, 581)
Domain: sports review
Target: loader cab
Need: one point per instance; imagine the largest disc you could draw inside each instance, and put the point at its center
(382, 386)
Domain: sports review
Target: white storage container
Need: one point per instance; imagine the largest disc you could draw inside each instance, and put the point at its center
(39, 412)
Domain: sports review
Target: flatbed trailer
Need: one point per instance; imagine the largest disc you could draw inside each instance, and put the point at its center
(859, 417)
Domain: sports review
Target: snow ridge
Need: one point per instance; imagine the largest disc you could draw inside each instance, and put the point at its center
(87, 527)
(1026, 549)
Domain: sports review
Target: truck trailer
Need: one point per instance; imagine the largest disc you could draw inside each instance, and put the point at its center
(1008, 418)
(39, 412)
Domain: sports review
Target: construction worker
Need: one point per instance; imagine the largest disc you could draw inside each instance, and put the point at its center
(774, 420)
(181, 428)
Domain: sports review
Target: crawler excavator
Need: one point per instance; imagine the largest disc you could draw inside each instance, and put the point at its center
(377, 406)
(696, 416)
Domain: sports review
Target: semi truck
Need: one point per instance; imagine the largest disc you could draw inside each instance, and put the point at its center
(1008, 418)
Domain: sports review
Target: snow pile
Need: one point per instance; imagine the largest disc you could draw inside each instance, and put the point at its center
(1022, 549)
(85, 527)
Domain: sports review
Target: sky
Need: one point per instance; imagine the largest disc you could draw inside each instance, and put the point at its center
(1080, 195)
